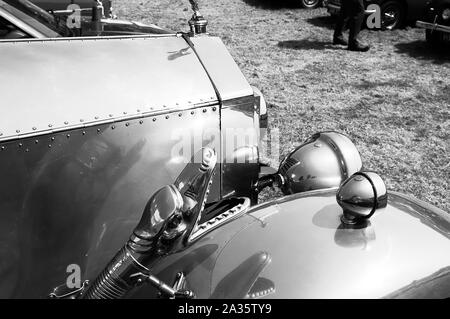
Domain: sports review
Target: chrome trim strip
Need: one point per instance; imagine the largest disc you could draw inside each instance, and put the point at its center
(433, 26)
(422, 204)
(117, 119)
(21, 25)
(112, 37)
(186, 38)
(334, 7)
(220, 220)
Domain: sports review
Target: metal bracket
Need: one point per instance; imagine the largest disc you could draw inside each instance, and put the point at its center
(64, 292)
(434, 24)
(178, 291)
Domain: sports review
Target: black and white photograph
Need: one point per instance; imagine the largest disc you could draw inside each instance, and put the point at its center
(205, 151)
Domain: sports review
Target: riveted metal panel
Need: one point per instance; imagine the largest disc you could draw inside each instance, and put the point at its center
(51, 85)
(228, 78)
(74, 197)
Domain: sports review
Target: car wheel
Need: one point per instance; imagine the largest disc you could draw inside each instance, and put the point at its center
(310, 4)
(392, 15)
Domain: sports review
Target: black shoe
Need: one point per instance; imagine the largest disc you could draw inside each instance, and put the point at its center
(359, 47)
(340, 40)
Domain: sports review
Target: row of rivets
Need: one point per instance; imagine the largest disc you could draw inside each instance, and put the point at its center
(262, 293)
(98, 130)
(220, 217)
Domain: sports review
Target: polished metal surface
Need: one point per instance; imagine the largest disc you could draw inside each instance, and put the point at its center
(158, 63)
(239, 152)
(164, 204)
(62, 82)
(325, 160)
(227, 76)
(360, 196)
(261, 107)
(240, 282)
(314, 255)
(219, 220)
(74, 197)
(169, 218)
(77, 177)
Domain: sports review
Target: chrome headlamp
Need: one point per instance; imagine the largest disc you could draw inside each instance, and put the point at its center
(325, 160)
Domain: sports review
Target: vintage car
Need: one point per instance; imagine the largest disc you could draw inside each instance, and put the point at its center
(394, 13)
(437, 22)
(21, 19)
(144, 183)
(61, 5)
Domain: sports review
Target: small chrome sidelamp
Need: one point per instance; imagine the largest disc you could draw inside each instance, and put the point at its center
(197, 23)
(360, 196)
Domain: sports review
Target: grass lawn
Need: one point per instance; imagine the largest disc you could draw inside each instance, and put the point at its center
(393, 102)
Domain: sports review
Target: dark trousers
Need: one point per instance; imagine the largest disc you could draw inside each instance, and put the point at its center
(352, 12)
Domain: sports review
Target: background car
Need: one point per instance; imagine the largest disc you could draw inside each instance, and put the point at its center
(53, 5)
(437, 22)
(23, 19)
(394, 13)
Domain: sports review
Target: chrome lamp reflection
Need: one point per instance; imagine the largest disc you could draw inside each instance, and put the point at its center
(169, 218)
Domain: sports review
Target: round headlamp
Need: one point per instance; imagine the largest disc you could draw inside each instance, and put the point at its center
(446, 14)
(324, 161)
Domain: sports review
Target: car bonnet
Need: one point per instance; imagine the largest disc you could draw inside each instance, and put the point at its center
(53, 85)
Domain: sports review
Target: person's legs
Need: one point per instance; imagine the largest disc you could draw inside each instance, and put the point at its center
(344, 15)
(356, 21)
